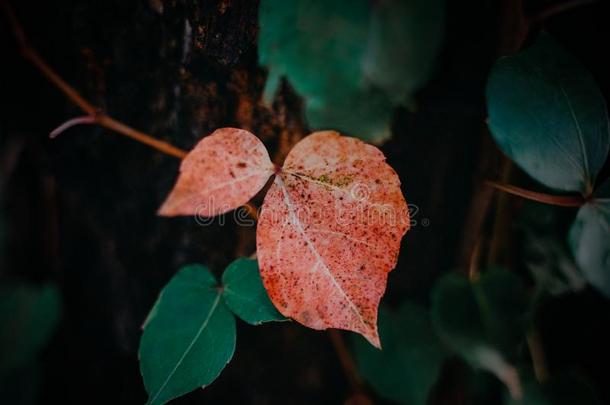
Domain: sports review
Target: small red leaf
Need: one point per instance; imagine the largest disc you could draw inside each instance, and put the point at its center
(223, 172)
(329, 233)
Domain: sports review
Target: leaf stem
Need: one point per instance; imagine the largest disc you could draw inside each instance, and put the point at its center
(539, 363)
(347, 362)
(85, 119)
(558, 200)
(499, 239)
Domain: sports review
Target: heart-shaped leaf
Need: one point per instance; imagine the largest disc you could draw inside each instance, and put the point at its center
(188, 338)
(330, 231)
(28, 318)
(353, 62)
(483, 320)
(589, 239)
(411, 359)
(244, 294)
(224, 171)
(548, 115)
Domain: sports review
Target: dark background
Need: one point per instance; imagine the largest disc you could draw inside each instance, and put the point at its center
(80, 210)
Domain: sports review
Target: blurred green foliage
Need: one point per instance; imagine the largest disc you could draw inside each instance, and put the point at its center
(483, 320)
(411, 358)
(488, 311)
(590, 239)
(28, 318)
(353, 62)
(564, 388)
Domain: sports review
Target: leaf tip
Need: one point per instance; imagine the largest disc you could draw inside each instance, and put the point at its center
(373, 337)
(166, 209)
(176, 204)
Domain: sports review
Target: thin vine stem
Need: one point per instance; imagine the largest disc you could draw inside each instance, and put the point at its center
(94, 115)
(100, 118)
(558, 200)
(347, 362)
(86, 119)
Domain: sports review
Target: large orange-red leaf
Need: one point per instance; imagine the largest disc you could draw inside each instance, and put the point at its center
(224, 171)
(329, 233)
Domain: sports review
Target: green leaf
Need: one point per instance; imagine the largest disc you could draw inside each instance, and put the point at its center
(188, 338)
(411, 359)
(364, 113)
(353, 62)
(397, 58)
(589, 239)
(245, 295)
(28, 319)
(565, 388)
(482, 320)
(548, 115)
(544, 250)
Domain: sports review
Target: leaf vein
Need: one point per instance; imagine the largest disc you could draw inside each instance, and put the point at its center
(188, 349)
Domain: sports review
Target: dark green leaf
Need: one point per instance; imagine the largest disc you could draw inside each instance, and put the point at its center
(403, 41)
(364, 113)
(245, 295)
(188, 338)
(482, 320)
(353, 62)
(28, 318)
(589, 239)
(548, 115)
(411, 356)
(562, 389)
(544, 251)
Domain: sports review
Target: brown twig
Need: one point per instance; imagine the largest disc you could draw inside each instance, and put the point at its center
(555, 9)
(252, 211)
(347, 362)
(473, 263)
(538, 356)
(482, 197)
(558, 200)
(85, 119)
(70, 92)
(499, 242)
(97, 117)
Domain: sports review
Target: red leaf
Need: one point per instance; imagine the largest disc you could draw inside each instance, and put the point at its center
(223, 172)
(329, 233)
(330, 227)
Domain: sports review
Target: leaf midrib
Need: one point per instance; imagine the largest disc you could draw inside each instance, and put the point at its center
(297, 224)
(188, 349)
(581, 140)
